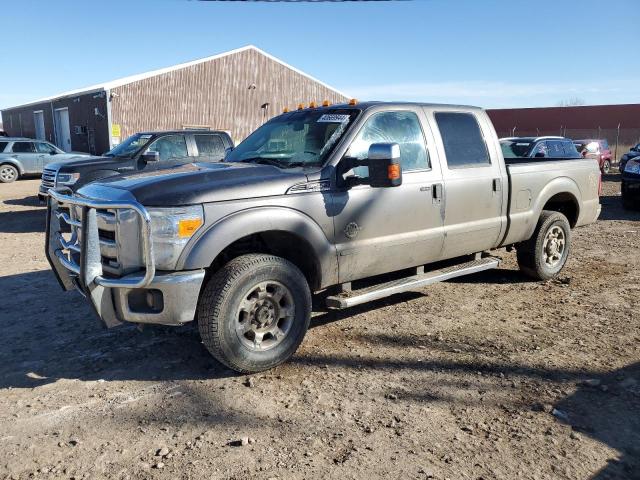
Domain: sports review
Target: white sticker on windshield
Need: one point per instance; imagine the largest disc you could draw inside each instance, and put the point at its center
(334, 118)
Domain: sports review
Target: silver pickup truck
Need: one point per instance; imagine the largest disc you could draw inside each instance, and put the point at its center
(351, 202)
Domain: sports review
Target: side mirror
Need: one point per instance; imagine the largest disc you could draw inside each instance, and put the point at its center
(150, 157)
(539, 155)
(383, 161)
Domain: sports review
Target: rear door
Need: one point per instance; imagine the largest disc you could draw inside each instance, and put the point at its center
(209, 147)
(473, 172)
(25, 153)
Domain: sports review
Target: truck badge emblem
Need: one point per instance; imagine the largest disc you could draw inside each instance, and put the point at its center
(351, 230)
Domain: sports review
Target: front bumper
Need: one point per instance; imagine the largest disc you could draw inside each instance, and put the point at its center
(167, 298)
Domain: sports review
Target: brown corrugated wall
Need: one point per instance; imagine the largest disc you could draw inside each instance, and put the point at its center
(218, 93)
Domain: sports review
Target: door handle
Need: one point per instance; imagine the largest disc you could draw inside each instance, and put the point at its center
(436, 193)
(497, 185)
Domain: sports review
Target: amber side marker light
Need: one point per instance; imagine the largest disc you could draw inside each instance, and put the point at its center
(393, 171)
(326, 103)
(353, 101)
(187, 227)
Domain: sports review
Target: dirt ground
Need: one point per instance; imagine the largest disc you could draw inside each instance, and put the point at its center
(490, 376)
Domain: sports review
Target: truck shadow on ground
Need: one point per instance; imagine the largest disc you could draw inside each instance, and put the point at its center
(612, 209)
(24, 221)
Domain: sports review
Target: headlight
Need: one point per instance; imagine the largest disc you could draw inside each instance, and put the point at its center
(171, 229)
(67, 178)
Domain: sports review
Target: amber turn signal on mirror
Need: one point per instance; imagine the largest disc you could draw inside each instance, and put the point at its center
(393, 171)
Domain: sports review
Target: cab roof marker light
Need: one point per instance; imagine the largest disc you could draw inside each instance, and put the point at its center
(300, 106)
(353, 101)
(313, 104)
(326, 103)
(285, 110)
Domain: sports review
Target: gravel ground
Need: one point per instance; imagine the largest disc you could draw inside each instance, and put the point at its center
(490, 376)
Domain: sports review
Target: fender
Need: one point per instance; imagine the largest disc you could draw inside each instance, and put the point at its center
(203, 250)
(13, 161)
(524, 223)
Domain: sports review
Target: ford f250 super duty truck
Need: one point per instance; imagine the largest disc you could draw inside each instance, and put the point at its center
(358, 201)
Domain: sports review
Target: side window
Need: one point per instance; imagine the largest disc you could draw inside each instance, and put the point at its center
(210, 146)
(42, 147)
(402, 128)
(463, 142)
(540, 150)
(170, 147)
(570, 150)
(604, 145)
(23, 147)
(3, 145)
(555, 149)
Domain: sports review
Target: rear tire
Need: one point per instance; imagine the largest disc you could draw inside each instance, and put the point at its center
(546, 252)
(8, 173)
(254, 312)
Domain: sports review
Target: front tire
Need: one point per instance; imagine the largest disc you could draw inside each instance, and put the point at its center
(254, 312)
(8, 173)
(546, 252)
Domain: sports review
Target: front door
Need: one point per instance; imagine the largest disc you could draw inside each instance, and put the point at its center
(63, 130)
(378, 230)
(172, 150)
(26, 154)
(474, 192)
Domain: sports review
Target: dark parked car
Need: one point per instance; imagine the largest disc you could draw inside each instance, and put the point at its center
(598, 149)
(632, 153)
(141, 152)
(630, 187)
(538, 147)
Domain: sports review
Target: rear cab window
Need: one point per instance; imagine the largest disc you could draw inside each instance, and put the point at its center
(23, 147)
(464, 144)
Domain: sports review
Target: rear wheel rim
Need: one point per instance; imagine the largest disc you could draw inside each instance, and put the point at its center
(8, 173)
(554, 246)
(265, 316)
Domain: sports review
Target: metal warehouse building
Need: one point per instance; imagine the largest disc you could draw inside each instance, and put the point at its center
(234, 91)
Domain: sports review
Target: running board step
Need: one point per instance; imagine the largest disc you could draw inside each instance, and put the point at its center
(376, 292)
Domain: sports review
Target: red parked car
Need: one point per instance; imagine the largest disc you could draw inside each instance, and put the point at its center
(594, 148)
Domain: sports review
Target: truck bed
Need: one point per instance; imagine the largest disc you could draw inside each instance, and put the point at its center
(531, 186)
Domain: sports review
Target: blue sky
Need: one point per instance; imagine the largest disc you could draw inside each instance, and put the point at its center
(484, 52)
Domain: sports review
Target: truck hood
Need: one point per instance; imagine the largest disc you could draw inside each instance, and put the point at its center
(83, 161)
(200, 183)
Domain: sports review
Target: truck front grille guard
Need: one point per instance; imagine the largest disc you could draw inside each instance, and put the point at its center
(87, 244)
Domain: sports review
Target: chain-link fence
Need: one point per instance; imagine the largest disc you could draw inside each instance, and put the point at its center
(620, 139)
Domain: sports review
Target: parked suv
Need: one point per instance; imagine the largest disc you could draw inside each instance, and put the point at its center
(632, 153)
(538, 147)
(598, 149)
(24, 156)
(140, 152)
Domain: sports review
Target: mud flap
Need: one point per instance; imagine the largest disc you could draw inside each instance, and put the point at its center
(64, 277)
(100, 297)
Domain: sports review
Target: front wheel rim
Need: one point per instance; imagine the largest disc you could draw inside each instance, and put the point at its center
(265, 316)
(553, 247)
(7, 173)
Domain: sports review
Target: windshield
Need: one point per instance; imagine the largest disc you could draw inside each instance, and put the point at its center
(298, 139)
(130, 146)
(515, 149)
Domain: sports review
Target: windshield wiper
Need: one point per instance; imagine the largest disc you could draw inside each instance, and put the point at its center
(271, 161)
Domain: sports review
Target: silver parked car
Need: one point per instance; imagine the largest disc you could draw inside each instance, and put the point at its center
(25, 156)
